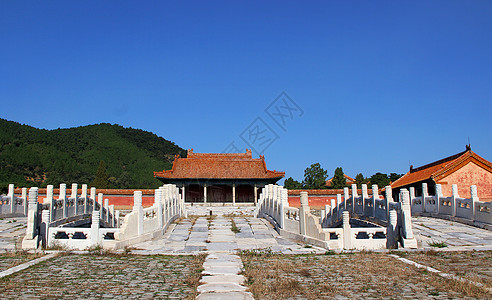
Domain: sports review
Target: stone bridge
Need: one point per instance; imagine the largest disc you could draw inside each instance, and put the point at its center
(169, 228)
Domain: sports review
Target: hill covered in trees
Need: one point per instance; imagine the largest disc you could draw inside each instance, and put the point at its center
(38, 157)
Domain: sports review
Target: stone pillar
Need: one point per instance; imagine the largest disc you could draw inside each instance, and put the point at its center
(233, 194)
(438, 197)
(158, 204)
(74, 196)
(93, 194)
(84, 196)
(334, 210)
(106, 209)
(138, 210)
(407, 215)
(100, 200)
(326, 214)
(453, 199)
(391, 231)
(63, 197)
(163, 201)
(375, 196)
(74, 190)
(303, 210)
(388, 199)
(389, 193)
(338, 205)
(473, 201)
(31, 230)
(24, 196)
(347, 231)
(52, 202)
(95, 228)
(412, 193)
(11, 196)
(45, 224)
(256, 194)
(111, 220)
(345, 197)
(284, 202)
(183, 192)
(364, 196)
(354, 196)
(205, 194)
(425, 194)
(117, 219)
(49, 194)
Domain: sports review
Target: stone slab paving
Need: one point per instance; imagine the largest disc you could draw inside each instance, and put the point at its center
(362, 275)
(106, 276)
(11, 232)
(10, 259)
(456, 236)
(202, 233)
(475, 266)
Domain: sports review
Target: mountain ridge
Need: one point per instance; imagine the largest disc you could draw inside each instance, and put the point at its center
(31, 156)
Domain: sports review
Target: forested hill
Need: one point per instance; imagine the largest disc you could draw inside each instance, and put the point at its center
(38, 157)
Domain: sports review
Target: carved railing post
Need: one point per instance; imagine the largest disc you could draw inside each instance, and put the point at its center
(364, 196)
(84, 196)
(75, 198)
(24, 196)
(375, 196)
(347, 231)
(45, 224)
(391, 231)
(345, 197)
(453, 199)
(11, 196)
(354, 196)
(425, 194)
(138, 209)
(158, 204)
(95, 239)
(63, 197)
(303, 210)
(388, 199)
(473, 201)
(438, 197)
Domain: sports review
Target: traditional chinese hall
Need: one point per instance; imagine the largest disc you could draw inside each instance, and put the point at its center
(220, 177)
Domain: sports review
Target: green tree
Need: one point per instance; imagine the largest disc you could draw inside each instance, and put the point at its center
(315, 177)
(292, 184)
(102, 179)
(394, 176)
(380, 179)
(360, 179)
(339, 181)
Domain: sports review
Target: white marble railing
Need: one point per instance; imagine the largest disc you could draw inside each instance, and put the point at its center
(80, 238)
(55, 212)
(11, 205)
(273, 205)
(143, 223)
(469, 209)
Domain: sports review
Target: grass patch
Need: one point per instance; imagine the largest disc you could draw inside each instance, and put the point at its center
(234, 228)
(437, 244)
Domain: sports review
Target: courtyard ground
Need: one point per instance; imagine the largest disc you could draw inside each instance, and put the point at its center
(175, 266)
(362, 275)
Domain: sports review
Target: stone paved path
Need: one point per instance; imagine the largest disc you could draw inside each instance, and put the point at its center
(455, 235)
(228, 231)
(11, 231)
(203, 234)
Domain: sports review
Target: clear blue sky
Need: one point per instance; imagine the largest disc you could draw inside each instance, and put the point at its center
(379, 83)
